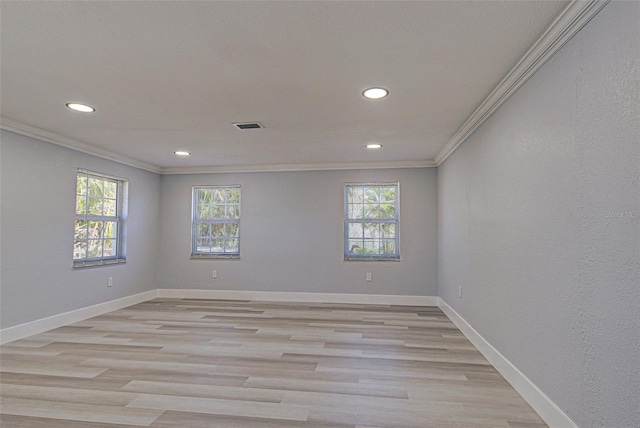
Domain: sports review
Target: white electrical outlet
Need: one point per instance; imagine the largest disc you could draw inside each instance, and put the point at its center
(369, 277)
(460, 292)
(214, 274)
(110, 281)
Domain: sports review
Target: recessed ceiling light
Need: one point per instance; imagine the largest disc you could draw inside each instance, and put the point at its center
(375, 93)
(83, 108)
(182, 153)
(374, 146)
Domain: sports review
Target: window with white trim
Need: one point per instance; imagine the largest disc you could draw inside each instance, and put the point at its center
(372, 221)
(215, 224)
(99, 225)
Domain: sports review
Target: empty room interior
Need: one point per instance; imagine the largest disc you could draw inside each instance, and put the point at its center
(320, 214)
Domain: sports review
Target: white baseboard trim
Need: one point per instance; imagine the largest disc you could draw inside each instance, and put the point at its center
(547, 409)
(542, 404)
(39, 326)
(283, 296)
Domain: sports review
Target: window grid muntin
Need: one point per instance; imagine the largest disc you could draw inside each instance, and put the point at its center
(355, 195)
(89, 249)
(220, 206)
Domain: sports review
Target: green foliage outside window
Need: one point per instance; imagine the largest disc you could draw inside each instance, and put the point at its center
(98, 218)
(371, 221)
(216, 223)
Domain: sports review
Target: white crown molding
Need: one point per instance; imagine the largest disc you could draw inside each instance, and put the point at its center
(571, 20)
(53, 138)
(45, 324)
(59, 140)
(547, 409)
(298, 167)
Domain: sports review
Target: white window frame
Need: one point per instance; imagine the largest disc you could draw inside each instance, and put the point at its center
(349, 253)
(118, 217)
(196, 221)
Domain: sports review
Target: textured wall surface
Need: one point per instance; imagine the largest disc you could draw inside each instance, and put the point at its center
(539, 222)
(38, 210)
(292, 235)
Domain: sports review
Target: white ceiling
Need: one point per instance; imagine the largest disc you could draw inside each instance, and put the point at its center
(165, 76)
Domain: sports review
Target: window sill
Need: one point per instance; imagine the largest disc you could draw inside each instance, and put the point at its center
(215, 256)
(371, 259)
(95, 263)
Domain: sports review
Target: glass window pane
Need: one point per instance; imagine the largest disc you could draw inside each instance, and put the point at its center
(371, 211)
(231, 246)
(355, 230)
(372, 195)
(388, 194)
(203, 245)
(218, 204)
(355, 194)
(231, 230)
(378, 207)
(233, 196)
(95, 206)
(217, 212)
(387, 211)
(81, 204)
(233, 211)
(81, 184)
(199, 244)
(218, 196)
(95, 187)
(355, 246)
(97, 197)
(202, 230)
(95, 229)
(204, 197)
(110, 229)
(388, 230)
(371, 230)
(95, 248)
(203, 212)
(80, 230)
(109, 207)
(356, 211)
(217, 229)
(110, 189)
(218, 245)
(350, 194)
(388, 246)
(79, 250)
(212, 197)
(370, 246)
(110, 248)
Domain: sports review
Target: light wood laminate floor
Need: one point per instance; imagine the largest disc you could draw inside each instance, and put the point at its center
(214, 363)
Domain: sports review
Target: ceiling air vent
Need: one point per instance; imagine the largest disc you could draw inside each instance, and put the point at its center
(248, 125)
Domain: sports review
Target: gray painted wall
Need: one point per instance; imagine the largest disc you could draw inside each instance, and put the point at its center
(539, 222)
(292, 235)
(37, 211)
